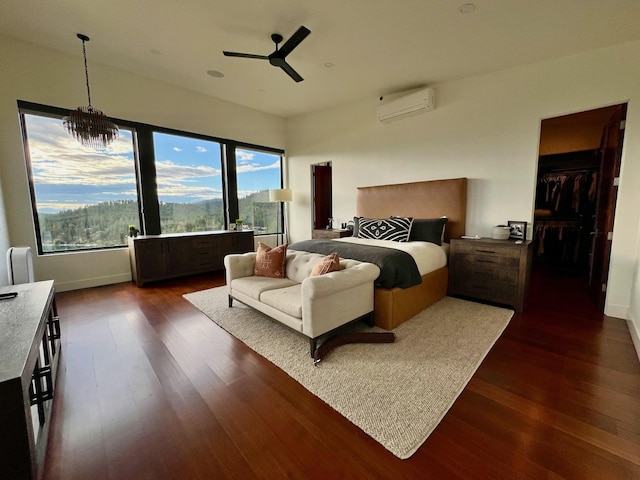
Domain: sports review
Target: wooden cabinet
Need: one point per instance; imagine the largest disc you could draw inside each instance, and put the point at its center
(493, 270)
(159, 257)
(325, 233)
(29, 353)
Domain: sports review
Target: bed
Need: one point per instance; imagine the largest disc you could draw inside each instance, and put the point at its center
(420, 200)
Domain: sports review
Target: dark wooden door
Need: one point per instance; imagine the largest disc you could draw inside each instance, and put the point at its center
(611, 154)
(322, 208)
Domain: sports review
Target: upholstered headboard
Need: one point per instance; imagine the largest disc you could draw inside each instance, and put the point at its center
(429, 199)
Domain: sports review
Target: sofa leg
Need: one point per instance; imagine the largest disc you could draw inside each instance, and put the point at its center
(313, 343)
(230, 301)
(370, 320)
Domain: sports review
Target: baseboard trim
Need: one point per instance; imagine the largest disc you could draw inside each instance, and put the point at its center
(634, 330)
(92, 282)
(617, 311)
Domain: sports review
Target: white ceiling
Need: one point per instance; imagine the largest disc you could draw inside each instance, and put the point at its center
(376, 46)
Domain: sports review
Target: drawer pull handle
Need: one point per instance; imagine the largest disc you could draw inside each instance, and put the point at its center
(480, 260)
(486, 251)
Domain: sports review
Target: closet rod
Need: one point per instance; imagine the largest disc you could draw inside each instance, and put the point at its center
(572, 170)
(576, 221)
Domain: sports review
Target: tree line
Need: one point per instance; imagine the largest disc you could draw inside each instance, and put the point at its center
(106, 224)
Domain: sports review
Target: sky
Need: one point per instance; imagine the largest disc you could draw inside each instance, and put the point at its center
(68, 175)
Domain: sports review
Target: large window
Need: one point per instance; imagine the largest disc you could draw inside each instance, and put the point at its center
(158, 180)
(257, 172)
(82, 198)
(189, 179)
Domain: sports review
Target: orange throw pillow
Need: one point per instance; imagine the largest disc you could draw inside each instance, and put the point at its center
(330, 263)
(271, 262)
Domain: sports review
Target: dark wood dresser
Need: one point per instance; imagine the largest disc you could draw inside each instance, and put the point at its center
(326, 233)
(159, 257)
(29, 354)
(497, 271)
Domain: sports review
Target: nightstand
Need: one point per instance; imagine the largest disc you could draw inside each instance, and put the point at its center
(497, 271)
(324, 233)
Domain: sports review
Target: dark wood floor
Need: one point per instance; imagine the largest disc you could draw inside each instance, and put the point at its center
(149, 388)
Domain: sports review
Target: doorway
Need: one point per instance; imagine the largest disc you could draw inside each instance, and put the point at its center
(578, 168)
(322, 194)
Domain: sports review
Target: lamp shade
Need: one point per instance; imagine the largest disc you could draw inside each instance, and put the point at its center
(280, 195)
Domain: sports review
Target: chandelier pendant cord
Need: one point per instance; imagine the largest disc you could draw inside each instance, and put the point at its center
(86, 71)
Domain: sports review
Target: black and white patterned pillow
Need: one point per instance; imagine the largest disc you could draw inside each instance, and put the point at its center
(396, 229)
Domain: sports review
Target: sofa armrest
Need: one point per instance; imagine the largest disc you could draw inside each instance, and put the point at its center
(336, 298)
(332, 282)
(239, 265)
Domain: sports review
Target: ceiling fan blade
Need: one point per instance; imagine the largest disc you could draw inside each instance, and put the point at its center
(290, 71)
(293, 41)
(245, 55)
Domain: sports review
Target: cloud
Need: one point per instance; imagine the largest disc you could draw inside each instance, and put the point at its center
(243, 156)
(166, 170)
(177, 192)
(70, 176)
(245, 162)
(255, 167)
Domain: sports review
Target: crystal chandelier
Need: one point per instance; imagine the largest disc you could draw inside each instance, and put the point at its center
(89, 126)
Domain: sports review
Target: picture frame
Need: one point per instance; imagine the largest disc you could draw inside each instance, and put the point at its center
(517, 229)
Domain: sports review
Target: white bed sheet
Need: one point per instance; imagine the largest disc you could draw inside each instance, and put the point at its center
(428, 256)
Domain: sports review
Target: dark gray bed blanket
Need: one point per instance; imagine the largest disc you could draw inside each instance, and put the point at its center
(397, 268)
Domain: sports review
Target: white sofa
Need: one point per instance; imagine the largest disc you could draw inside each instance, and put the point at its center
(314, 305)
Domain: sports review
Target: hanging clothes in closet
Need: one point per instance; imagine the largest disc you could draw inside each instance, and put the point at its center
(564, 216)
(567, 193)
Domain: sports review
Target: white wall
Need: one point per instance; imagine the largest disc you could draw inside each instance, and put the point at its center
(4, 239)
(44, 76)
(484, 128)
(634, 314)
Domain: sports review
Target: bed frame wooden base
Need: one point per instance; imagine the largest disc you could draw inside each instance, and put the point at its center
(392, 306)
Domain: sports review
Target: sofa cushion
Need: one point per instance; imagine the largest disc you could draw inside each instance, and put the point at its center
(300, 264)
(253, 286)
(330, 263)
(271, 262)
(287, 300)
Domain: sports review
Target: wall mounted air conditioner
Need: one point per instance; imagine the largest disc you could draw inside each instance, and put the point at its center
(409, 105)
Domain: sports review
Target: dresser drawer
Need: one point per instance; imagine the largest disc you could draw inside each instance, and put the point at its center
(469, 267)
(499, 292)
(203, 243)
(487, 250)
(487, 261)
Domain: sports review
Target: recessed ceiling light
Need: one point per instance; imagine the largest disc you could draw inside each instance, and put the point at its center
(328, 65)
(467, 8)
(215, 73)
(155, 52)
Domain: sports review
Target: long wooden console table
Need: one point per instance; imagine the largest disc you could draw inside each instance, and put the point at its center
(159, 257)
(29, 353)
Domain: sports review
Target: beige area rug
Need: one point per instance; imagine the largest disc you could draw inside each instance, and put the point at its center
(397, 393)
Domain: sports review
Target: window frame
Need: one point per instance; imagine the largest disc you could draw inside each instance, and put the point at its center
(280, 209)
(145, 171)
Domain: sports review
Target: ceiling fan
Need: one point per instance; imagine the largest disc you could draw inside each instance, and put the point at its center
(277, 58)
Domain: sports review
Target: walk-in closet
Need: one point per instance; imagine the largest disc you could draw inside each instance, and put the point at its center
(565, 209)
(578, 170)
